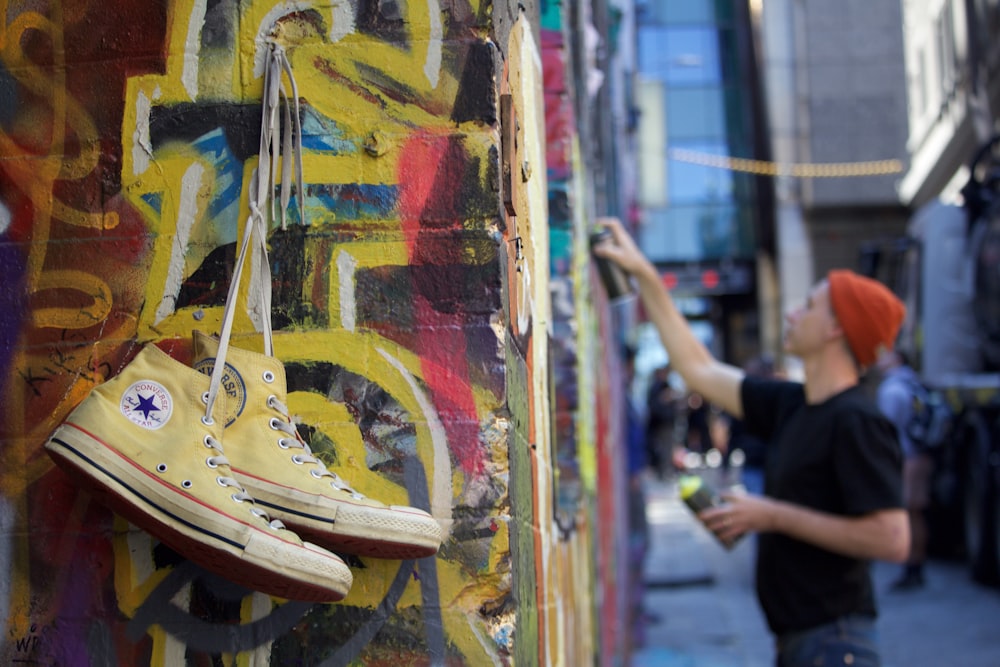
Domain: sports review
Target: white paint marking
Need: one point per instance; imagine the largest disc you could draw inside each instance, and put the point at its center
(187, 213)
(267, 25)
(346, 266)
(192, 48)
(5, 218)
(343, 21)
(441, 474)
(142, 145)
(432, 67)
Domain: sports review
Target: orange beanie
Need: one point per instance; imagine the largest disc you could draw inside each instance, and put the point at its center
(868, 312)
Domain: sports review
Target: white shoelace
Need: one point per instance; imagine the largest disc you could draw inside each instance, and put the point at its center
(319, 469)
(262, 205)
(227, 481)
(262, 214)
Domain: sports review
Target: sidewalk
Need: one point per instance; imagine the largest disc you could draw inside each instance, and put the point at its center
(700, 595)
(706, 614)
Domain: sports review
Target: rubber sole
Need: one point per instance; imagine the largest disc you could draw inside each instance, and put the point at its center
(358, 529)
(264, 563)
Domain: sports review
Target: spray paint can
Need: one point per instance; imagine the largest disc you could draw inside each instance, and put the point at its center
(616, 282)
(699, 495)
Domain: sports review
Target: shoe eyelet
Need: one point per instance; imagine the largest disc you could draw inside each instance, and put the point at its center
(162, 467)
(187, 484)
(271, 401)
(210, 463)
(221, 482)
(207, 421)
(204, 398)
(268, 377)
(297, 461)
(208, 442)
(315, 474)
(275, 424)
(236, 498)
(283, 443)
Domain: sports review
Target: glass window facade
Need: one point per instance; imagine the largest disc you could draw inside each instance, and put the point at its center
(691, 48)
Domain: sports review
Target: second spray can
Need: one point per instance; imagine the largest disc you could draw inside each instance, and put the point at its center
(698, 495)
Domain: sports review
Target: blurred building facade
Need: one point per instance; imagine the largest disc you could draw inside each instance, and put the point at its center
(773, 136)
(949, 273)
(700, 98)
(953, 87)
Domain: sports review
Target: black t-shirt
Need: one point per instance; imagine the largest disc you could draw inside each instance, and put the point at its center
(753, 447)
(840, 457)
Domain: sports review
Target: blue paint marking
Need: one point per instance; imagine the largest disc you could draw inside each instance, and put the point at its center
(353, 201)
(154, 200)
(321, 134)
(228, 171)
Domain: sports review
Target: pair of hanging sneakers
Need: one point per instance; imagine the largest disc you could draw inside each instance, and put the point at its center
(143, 444)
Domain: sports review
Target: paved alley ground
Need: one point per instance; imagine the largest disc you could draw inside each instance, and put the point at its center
(704, 612)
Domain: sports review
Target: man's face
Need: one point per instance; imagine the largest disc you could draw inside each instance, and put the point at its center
(812, 325)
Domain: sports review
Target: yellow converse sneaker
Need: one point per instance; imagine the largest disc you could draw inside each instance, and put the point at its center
(143, 443)
(277, 467)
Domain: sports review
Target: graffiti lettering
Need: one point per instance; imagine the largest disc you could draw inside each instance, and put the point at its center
(28, 643)
(92, 287)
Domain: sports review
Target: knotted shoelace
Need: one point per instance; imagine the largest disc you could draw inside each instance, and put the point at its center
(275, 145)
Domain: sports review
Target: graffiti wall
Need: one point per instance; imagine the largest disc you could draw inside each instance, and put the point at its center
(409, 304)
(590, 494)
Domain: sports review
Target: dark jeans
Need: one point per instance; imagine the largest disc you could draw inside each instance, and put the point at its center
(851, 640)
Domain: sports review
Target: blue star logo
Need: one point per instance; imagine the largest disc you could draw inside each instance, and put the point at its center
(146, 405)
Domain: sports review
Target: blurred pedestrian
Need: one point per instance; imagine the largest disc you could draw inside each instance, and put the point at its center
(896, 394)
(637, 466)
(834, 466)
(661, 415)
(699, 436)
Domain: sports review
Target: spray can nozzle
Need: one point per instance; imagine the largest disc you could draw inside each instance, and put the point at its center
(616, 282)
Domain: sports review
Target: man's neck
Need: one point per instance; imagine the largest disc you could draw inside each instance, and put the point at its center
(827, 375)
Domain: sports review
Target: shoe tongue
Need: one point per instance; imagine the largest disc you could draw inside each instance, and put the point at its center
(203, 347)
(232, 397)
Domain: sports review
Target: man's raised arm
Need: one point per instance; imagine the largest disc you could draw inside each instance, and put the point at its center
(719, 383)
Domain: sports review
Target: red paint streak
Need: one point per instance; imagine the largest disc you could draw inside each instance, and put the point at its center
(611, 529)
(323, 65)
(430, 168)
(560, 125)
